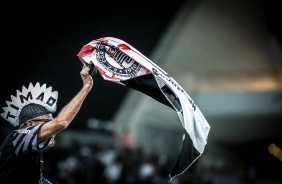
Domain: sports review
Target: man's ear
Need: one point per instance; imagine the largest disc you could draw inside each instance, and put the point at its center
(28, 123)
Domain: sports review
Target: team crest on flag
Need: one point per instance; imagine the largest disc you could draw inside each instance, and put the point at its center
(119, 62)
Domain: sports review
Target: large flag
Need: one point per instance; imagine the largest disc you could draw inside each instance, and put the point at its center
(119, 62)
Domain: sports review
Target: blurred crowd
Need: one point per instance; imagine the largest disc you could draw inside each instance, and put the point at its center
(107, 164)
(85, 163)
(91, 164)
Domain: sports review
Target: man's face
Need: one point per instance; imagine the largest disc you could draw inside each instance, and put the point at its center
(40, 119)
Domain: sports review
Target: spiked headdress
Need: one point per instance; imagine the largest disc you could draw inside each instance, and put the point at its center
(29, 103)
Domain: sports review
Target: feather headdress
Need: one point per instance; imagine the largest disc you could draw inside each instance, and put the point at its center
(33, 99)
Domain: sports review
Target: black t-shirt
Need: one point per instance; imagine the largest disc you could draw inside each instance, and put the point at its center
(21, 158)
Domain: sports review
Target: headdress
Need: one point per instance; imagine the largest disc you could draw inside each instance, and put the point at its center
(29, 103)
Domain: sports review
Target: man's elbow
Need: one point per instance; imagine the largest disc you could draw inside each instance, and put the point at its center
(61, 125)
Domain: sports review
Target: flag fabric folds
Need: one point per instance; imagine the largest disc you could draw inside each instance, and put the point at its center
(119, 62)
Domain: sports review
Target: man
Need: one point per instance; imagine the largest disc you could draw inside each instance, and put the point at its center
(31, 112)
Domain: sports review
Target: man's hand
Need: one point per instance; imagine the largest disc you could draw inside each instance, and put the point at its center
(86, 77)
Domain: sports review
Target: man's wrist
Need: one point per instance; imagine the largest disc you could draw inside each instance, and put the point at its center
(87, 85)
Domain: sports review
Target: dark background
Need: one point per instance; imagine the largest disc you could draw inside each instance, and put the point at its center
(40, 43)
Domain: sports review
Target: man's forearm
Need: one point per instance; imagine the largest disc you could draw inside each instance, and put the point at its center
(68, 113)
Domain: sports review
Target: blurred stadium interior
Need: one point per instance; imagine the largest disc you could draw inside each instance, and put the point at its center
(227, 56)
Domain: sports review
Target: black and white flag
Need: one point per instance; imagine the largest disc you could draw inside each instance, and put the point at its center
(119, 62)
